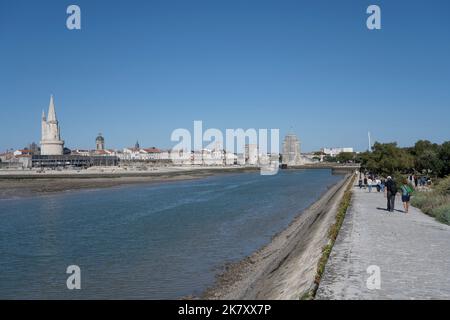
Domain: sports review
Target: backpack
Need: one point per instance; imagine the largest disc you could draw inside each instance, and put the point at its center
(409, 189)
(393, 189)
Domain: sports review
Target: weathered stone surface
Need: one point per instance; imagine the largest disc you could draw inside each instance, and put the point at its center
(412, 251)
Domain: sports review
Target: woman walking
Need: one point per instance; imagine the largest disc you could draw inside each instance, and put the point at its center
(369, 184)
(406, 194)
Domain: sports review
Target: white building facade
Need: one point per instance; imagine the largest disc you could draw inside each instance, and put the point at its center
(335, 151)
(251, 154)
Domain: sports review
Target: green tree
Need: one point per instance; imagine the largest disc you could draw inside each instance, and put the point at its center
(428, 162)
(427, 157)
(329, 159)
(424, 156)
(444, 156)
(387, 159)
(345, 157)
(423, 145)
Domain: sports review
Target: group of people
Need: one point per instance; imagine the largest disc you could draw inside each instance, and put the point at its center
(370, 181)
(417, 182)
(389, 187)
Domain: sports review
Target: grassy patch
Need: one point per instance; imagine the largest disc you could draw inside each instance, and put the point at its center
(435, 203)
(332, 235)
(442, 213)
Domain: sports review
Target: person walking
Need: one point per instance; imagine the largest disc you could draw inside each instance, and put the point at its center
(423, 181)
(391, 191)
(369, 184)
(406, 195)
(378, 184)
(365, 182)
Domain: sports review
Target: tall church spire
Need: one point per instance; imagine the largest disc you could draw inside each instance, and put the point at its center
(51, 143)
(51, 111)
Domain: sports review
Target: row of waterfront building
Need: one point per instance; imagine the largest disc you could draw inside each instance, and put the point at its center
(53, 154)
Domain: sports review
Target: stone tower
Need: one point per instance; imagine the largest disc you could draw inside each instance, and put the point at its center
(100, 142)
(291, 150)
(51, 143)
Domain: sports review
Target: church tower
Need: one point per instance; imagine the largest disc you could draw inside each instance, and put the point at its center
(100, 143)
(51, 143)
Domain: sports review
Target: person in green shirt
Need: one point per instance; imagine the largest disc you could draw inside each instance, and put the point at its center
(406, 194)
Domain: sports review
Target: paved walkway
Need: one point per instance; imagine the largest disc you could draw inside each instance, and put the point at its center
(412, 252)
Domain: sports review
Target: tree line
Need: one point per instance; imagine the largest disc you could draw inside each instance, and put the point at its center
(424, 157)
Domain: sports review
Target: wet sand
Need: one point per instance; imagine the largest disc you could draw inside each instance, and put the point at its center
(285, 268)
(25, 186)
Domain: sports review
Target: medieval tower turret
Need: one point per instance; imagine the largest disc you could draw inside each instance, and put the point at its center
(51, 143)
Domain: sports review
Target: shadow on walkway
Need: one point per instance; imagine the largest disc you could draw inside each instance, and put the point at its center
(384, 209)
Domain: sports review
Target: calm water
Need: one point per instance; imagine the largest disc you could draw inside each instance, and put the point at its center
(147, 241)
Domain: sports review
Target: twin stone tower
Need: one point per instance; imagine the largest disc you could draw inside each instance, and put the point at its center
(51, 143)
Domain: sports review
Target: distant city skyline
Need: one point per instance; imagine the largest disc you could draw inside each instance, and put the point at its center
(141, 69)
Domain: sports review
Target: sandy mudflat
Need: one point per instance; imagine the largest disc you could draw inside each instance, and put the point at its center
(24, 186)
(284, 269)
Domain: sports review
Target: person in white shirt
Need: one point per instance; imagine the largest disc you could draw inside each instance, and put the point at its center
(369, 184)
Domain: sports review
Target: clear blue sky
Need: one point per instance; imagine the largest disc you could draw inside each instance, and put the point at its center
(139, 69)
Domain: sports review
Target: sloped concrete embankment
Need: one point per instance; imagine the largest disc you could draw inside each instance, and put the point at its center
(285, 268)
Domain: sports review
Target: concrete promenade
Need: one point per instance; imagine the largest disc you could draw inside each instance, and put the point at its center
(412, 251)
